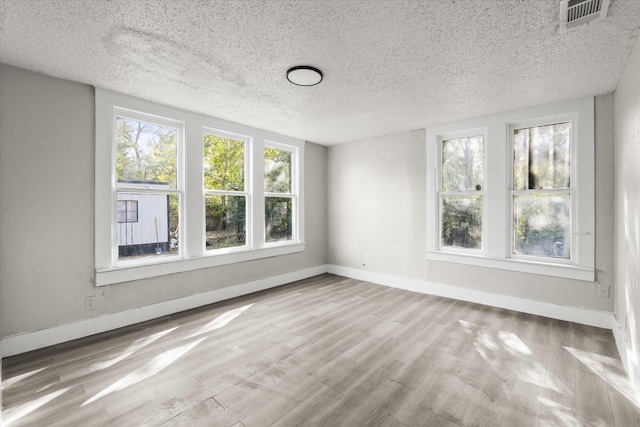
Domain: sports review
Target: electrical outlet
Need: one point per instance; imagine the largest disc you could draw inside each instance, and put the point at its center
(603, 291)
(89, 303)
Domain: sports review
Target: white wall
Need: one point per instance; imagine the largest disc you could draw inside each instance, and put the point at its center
(47, 208)
(627, 216)
(376, 202)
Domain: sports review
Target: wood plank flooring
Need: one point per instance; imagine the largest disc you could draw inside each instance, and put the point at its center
(327, 351)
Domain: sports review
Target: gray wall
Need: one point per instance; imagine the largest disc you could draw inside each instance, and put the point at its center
(377, 211)
(627, 232)
(47, 208)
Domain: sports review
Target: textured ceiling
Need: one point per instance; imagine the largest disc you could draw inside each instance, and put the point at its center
(388, 65)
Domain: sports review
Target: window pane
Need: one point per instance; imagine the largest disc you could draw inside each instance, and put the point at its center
(463, 163)
(127, 211)
(462, 222)
(146, 152)
(223, 163)
(278, 218)
(132, 210)
(155, 230)
(542, 225)
(122, 211)
(277, 170)
(225, 218)
(542, 157)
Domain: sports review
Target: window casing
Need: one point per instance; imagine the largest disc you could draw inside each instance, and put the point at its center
(541, 190)
(148, 175)
(537, 213)
(461, 191)
(280, 193)
(226, 179)
(191, 214)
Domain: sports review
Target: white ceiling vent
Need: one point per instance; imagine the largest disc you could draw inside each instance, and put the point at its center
(578, 12)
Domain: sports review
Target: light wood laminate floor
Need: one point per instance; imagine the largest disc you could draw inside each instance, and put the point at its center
(327, 351)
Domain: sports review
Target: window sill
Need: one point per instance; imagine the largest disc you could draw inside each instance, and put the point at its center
(524, 266)
(128, 273)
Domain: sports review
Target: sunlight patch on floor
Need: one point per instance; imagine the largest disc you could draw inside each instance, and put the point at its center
(12, 415)
(529, 370)
(562, 413)
(131, 349)
(151, 368)
(221, 321)
(607, 368)
(14, 380)
(513, 344)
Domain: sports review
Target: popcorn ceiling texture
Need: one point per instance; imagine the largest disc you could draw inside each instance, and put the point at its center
(388, 66)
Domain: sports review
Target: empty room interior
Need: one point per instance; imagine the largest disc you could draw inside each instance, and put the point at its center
(320, 213)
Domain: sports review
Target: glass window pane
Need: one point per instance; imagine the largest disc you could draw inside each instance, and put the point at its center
(132, 210)
(146, 153)
(462, 222)
(223, 163)
(278, 213)
(542, 157)
(277, 170)
(155, 229)
(225, 218)
(122, 211)
(541, 225)
(463, 163)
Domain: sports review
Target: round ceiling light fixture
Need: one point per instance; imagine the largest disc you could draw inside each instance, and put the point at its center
(304, 75)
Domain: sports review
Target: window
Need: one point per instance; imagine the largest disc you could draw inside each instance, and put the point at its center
(127, 211)
(280, 197)
(541, 191)
(178, 191)
(146, 184)
(515, 191)
(461, 201)
(225, 192)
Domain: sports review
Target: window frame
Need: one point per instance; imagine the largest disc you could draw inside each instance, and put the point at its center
(467, 133)
(127, 210)
(247, 192)
(293, 194)
(146, 189)
(572, 190)
(193, 253)
(498, 212)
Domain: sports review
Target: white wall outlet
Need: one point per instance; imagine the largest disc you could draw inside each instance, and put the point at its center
(89, 303)
(603, 291)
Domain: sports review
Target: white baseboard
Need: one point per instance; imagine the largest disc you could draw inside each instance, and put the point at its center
(23, 343)
(629, 359)
(583, 316)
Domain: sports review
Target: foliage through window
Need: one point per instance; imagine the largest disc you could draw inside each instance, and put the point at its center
(279, 197)
(225, 196)
(542, 191)
(461, 197)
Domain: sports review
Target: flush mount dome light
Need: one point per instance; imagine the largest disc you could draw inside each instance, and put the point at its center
(304, 75)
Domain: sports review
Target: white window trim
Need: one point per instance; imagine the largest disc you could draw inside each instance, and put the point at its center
(193, 254)
(455, 135)
(248, 193)
(572, 118)
(496, 219)
(294, 194)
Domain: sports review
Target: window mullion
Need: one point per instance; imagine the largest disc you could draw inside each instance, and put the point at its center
(257, 193)
(193, 223)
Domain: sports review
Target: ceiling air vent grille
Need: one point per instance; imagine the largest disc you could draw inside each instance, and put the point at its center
(578, 12)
